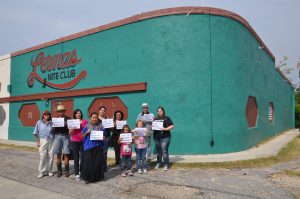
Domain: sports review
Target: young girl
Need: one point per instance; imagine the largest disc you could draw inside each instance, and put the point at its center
(126, 152)
(140, 139)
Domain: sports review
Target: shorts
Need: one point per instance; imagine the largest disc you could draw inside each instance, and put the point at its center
(61, 144)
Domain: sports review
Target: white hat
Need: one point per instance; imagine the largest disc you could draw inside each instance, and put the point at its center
(145, 104)
(60, 108)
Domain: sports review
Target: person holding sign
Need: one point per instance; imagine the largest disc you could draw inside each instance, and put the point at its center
(43, 129)
(162, 138)
(118, 116)
(147, 117)
(140, 138)
(92, 159)
(102, 116)
(62, 142)
(77, 141)
(125, 141)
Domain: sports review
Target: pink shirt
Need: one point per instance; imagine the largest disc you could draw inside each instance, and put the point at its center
(77, 136)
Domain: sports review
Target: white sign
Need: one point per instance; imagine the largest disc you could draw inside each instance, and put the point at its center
(58, 122)
(96, 135)
(140, 131)
(126, 137)
(121, 123)
(108, 123)
(148, 117)
(73, 124)
(157, 125)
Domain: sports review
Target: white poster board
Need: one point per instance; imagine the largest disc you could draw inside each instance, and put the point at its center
(73, 124)
(157, 125)
(121, 123)
(96, 135)
(108, 123)
(58, 122)
(141, 131)
(126, 137)
(148, 117)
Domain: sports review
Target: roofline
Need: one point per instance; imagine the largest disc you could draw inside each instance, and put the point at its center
(154, 14)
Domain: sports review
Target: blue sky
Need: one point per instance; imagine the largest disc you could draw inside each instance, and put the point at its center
(32, 22)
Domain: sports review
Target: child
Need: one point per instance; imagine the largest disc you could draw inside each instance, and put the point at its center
(140, 135)
(126, 152)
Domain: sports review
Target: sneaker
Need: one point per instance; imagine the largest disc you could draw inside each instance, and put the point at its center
(166, 168)
(123, 174)
(50, 174)
(40, 175)
(77, 177)
(130, 173)
(157, 166)
(145, 171)
(140, 171)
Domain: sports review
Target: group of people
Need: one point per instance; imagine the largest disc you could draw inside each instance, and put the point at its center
(90, 155)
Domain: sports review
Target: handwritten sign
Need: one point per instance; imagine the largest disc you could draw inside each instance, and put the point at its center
(157, 125)
(126, 137)
(73, 124)
(148, 117)
(96, 135)
(58, 122)
(121, 123)
(108, 123)
(140, 131)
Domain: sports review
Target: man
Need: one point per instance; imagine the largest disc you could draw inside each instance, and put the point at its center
(62, 142)
(147, 117)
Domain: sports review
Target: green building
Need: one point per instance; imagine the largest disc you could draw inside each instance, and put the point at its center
(209, 69)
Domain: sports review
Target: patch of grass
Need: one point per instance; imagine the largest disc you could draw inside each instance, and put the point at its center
(291, 151)
(292, 173)
(12, 146)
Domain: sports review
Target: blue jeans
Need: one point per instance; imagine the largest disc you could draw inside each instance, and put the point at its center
(149, 149)
(141, 162)
(162, 149)
(126, 161)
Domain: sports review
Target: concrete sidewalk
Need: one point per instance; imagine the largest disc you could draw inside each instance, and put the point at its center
(268, 149)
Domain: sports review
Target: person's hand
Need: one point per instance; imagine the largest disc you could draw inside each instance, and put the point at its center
(38, 145)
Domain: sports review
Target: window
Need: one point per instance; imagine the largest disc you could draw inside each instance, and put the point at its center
(271, 113)
(251, 112)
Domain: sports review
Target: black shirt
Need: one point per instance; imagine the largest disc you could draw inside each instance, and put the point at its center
(62, 130)
(163, 134)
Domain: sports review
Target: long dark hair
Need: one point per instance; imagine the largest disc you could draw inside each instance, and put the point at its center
(75, 112)
(162, 108)
(118, 111)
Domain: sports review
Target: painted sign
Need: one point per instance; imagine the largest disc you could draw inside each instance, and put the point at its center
(60, 66)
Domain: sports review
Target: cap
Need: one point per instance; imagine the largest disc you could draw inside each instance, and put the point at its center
(60, 108)
(145, 105)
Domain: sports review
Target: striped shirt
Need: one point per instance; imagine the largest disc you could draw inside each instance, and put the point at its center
(89, 144)
(43, 130)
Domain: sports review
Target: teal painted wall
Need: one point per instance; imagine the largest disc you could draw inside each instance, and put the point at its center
(201, 68)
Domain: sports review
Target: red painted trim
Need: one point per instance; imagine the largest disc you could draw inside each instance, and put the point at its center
(149, 15)
(153, 14)
(79, 92)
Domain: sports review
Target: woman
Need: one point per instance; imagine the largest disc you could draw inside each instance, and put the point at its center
(118, 116)
(77, 141)
(102, 115)
(162, 138)
(43, 129)
(92, 159)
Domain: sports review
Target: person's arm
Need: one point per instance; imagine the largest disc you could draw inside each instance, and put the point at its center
(85, 132)
(35, 134)
(168, 128)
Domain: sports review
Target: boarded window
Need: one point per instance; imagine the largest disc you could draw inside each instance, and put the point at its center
(251, 112)
(271, 113)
